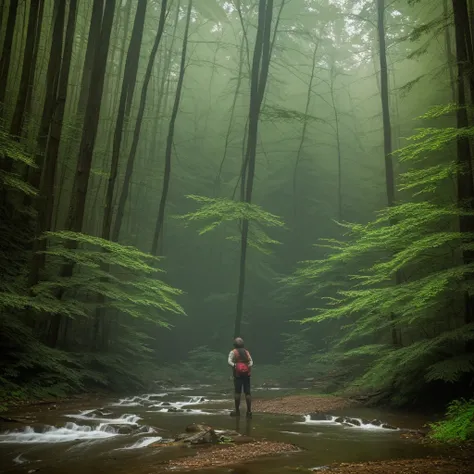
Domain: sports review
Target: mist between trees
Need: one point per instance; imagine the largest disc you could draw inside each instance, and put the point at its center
(297, 172)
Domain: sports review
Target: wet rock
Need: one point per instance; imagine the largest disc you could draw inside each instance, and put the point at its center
(175, 410)
(196, 428)
(345, 420)
(123, 429)
(388, 427)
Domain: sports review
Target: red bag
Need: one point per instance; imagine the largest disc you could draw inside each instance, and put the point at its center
(241, 368)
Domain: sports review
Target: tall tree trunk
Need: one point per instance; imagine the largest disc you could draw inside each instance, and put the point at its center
(449, 51)
(34, 60)
(52, 80)
(126, 97)
(462, 15)
(387, 129)
(94, 32)
(6, 53)
(260, 66)
(77, 204)
(170, 138)
(232, 112)
(338, 145)
(138, 126)
(27, 71)
(465, 186)
(309, 95)
(48, 176)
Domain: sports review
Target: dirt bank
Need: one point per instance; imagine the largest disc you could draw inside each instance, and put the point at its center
(301, 405)
(227, 455)
(450, 465)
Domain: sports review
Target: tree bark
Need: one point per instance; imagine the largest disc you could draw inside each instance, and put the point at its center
(170, 138)
(449, 51)
(48, 176)
(92, 113)
(464, 178)
(138, 125)
(34, 60)
(387, 130)
(305, 126)
(6, 53)
(52, 80)
(94, 32)
(126, 97)
(27, 71)
(260, 66)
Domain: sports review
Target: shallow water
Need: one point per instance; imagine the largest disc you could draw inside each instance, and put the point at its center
(115, 436)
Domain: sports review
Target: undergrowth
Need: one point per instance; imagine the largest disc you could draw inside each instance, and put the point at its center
(458, 425)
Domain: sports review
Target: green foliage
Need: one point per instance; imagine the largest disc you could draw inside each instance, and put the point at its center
(218, 211)
(458, 425)
(118, 279)
(129, 282)
(417, 245)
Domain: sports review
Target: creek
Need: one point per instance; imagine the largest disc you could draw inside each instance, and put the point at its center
(116, 436)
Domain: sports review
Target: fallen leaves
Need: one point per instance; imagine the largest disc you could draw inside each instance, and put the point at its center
(407, 466)
(300, 405)
(219, 456)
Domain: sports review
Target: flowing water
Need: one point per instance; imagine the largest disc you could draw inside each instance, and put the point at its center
(115, 436)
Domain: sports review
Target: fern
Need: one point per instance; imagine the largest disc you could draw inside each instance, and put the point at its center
(417, 242)
(216, 211)
(459, 423)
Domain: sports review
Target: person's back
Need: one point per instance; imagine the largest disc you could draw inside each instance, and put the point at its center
(241, 362)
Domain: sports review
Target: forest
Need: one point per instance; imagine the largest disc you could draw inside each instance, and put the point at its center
(174, 173)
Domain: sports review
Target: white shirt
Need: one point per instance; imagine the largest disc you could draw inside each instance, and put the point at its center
(232, 360)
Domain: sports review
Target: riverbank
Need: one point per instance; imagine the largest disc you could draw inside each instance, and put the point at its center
(301, 404)
(460, 463)
(220, 456)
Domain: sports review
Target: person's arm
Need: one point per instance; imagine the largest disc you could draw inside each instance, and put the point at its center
(231, 359)
(250, 360)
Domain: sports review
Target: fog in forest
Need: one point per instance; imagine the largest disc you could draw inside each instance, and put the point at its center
(176, 173)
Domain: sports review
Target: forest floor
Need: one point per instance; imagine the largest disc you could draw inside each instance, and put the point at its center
(461, 462)
(301, 404)
(229, 455)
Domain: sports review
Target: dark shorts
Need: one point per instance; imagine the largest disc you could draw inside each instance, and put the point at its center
(242, 384)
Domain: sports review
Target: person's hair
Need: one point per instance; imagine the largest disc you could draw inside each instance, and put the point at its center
(239, 343)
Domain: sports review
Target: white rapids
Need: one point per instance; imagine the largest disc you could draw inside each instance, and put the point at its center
(52, 434)
(346, 422)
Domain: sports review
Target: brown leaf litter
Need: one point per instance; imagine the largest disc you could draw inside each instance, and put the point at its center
(300, 405)
(454, 465)
(226, 455)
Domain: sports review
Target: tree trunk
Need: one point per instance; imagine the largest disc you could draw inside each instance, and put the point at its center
(34, 60)
(260, 66)
(48, 176)
(305, 126)
(449, 52)
(126, 96)
(387, 129)
(169, 140)
(94, 32)
(138, 125)
(75, 218)
(338, 146)
(28, 70)
(52, 80)
(6, 53)
(231, 115)
(465, 186)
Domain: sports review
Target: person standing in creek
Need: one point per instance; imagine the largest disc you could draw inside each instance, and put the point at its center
(241, 362)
